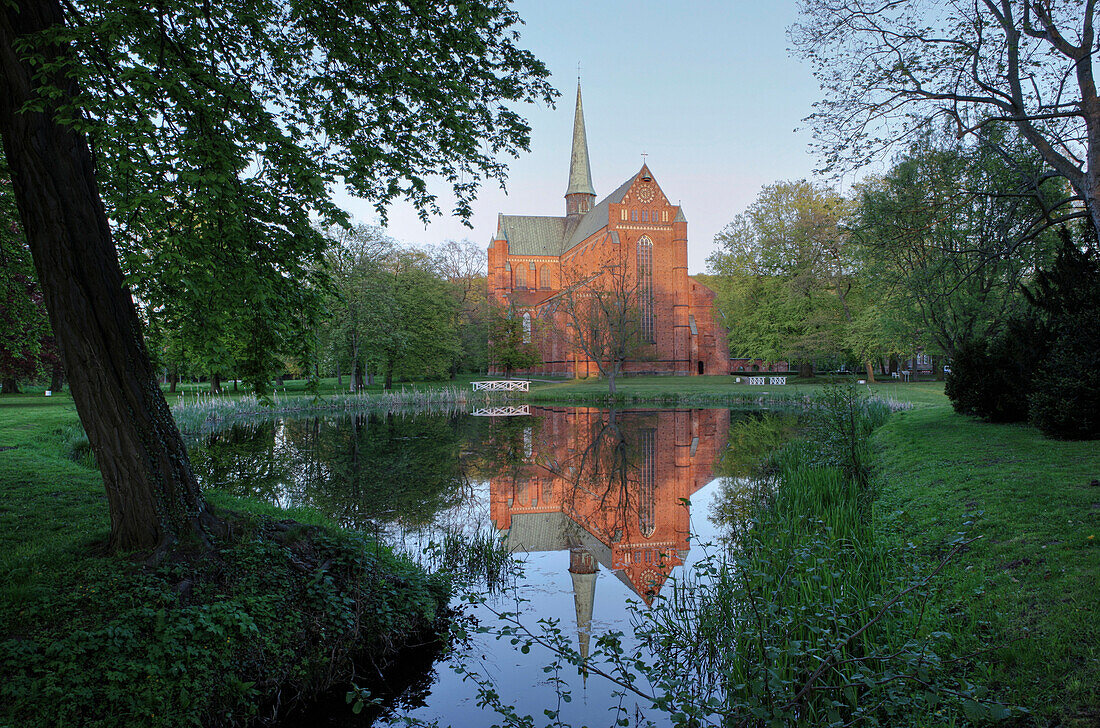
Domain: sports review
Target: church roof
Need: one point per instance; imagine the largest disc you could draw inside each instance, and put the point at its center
(580, 172)
(537, 235)
(597, 217)
(533, 234)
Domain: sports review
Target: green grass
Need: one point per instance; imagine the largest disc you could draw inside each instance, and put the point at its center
(1029, 583)
(98, 640)
(716, 388)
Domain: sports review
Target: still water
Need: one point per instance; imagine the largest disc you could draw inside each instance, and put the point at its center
(602, 508)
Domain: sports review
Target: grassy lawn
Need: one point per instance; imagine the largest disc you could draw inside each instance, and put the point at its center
(653, 387)
(1029, 584)
(93, 639)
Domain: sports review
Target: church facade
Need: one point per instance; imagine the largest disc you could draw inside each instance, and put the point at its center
(636, 233)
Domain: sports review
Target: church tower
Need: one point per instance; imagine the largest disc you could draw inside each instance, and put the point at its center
(580, 196)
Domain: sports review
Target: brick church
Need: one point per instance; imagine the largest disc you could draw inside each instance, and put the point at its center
(535, 262)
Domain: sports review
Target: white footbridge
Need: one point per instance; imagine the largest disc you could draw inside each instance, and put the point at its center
(503, 385)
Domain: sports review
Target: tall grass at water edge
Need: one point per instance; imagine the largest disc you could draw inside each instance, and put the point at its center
(197, 413)
(811, 615)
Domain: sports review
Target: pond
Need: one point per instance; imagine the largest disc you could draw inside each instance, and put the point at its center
(600, 507)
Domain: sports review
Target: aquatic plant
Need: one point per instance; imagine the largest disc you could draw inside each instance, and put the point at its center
(810, 615)
(200, 412)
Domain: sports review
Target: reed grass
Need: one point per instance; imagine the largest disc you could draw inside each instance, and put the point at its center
(811, 617)
(198, 412)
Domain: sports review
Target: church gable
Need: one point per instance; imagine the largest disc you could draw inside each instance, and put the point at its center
(644, 201)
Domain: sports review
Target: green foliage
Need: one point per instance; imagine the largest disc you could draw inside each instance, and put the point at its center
(1040, 368)
(1065, 401)
(993, 380)
(24, 348)
(278, 608)
(219, 137)
(949, 233)
(510, 346)
(788, 273)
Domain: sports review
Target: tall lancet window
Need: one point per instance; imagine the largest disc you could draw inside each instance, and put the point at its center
(645, 287)
(647, 480)
(527, 328)
(521, 275)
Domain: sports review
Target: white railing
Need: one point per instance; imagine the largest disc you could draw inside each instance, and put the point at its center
(754, 381)
(777, 380)
(504, 411)
(503, 385)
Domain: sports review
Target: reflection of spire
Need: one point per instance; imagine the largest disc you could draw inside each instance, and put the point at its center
(582, 569)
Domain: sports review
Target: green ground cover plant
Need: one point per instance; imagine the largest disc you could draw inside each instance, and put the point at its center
(1027, 583)
(278, 611)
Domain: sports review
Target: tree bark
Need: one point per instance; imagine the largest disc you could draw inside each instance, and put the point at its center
(57, 378)
(389, 376)
(870, 372)
(173, 380)
(215, 383)
(357, 379)
(9, 386)
(806, 369)
(152, 494)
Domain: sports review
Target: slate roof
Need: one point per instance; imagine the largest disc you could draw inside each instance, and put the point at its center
(580, 173)
(539, 235)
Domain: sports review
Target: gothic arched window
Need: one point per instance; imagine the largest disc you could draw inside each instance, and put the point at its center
(521, 275)
(645, 287)
(647, 495)
(527, 328)
(544, 277)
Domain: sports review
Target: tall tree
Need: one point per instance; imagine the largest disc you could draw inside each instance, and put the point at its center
(244, 116)
(947, 235)
(604, 308)
(511, 343)
(789, 273)
(888, 69)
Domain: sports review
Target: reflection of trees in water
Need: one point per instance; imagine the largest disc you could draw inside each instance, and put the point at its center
(743, 465)
(358, 471)
(608, 466)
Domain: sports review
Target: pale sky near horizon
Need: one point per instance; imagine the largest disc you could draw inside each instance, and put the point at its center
(706, 88)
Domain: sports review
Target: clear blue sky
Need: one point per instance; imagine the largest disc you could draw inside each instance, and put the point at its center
(707, 89)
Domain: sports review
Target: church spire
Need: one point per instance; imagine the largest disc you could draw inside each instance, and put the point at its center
(580, 195)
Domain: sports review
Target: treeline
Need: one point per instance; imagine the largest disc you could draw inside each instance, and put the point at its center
(949, 255)
(370, 311)
(363, 309)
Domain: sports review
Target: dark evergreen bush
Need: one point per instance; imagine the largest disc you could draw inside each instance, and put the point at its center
(1044, 367)
(1065, 401)
(993, 381)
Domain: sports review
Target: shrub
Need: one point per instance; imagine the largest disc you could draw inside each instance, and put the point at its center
(1065, 402)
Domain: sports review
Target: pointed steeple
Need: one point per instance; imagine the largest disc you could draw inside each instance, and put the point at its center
(580, 195)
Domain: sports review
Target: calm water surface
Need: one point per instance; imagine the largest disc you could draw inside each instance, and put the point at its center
(600, 507)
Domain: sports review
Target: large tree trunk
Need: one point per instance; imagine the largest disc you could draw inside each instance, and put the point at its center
(8, 385)
(151, 492)
(173, 380)
(57, 378)
(357, 379)
(870, 372)
(215, 383)
(389, 376)
(806, 369)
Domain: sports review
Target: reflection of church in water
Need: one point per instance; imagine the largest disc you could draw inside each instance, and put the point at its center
(610, 488)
